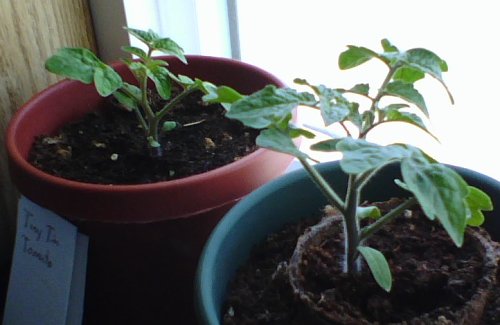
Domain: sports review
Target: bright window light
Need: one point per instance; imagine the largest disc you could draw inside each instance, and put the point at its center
(304, 38)
(198, 26)
(294, 38)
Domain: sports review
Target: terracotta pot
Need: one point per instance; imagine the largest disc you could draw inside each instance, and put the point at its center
(144, 239)
(287, 200)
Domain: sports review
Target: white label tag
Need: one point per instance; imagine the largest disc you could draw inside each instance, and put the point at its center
(47, 280)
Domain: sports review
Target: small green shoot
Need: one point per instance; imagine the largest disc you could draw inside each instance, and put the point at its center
(83, 65)
(440, 191)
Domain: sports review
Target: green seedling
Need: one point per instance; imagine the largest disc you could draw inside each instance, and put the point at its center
(440, 191)
(83, 65)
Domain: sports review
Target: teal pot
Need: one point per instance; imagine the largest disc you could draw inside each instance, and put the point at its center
(287, 200)
(145, 239)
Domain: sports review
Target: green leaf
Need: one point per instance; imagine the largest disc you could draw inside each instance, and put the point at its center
(427, 62)
(401, 184)
(153, 143)
(185, 80)
(408, 74)
(268, 106)
(147, 37)
(74, 63)
(302, 82)
(329, 145)
(378, 266)
(361, 89)
(368, 118)
(387, 46)
(138, 69)
(136, 51)
(371, 212)
(334, 107)
(126, 101)
(169, 126)
(440, 191)
(355, 56)
(106, 80)
(168, 46)
(279, 140)
(407, 92)
(222, 94)
(360, 156)
(160, 63)
(161, 79)
(134, 91)
(297, 132)
(477, 202)
(354, 116)
(394, 115)
(395, 107)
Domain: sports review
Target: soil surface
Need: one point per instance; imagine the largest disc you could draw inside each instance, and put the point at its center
(108, 146)
(427, 274)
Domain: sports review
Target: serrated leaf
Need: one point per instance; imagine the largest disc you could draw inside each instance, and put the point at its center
(355, 56)
(329, 145)
(168, 46)
(371, 212)
(408, 74)
(407, 92)
(161, 79)
(440, 191)
(378, 266)
(106, 80)
(360, 156)
(477, 202)
(279, 140)
(394, 115)
(387, 46)
(333, 106)
(74, 63)
(268, 106)
(135, 51)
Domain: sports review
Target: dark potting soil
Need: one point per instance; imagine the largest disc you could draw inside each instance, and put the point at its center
(108, 146)
(426, 273)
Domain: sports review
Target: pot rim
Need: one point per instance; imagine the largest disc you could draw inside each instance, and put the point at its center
(140, 203)
(205, 289)
(16, 156)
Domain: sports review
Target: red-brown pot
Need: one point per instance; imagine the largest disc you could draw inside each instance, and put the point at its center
(145, 240)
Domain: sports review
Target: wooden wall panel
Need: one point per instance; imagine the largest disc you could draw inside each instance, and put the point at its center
(31, 31)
